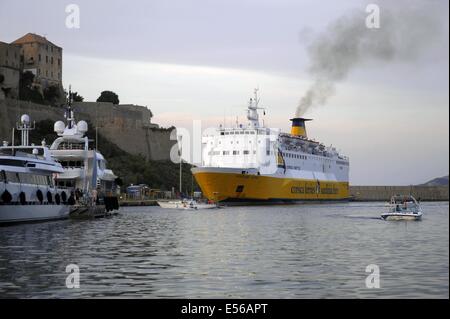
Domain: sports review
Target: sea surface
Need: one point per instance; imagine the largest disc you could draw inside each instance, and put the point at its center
(294, 251)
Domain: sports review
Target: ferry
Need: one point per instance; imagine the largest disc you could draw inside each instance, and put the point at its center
(252, 163)
(92, 184)
(27, 186)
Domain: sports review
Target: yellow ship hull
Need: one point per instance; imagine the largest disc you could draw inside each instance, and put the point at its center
(238, 187)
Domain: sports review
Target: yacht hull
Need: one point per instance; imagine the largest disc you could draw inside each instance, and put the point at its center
(404, 216)
(32, 213)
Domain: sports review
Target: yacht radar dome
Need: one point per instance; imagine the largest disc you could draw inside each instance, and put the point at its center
(25, 119)
(82, 127)
(59, 127)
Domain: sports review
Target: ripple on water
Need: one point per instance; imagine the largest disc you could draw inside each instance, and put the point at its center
(296, 251)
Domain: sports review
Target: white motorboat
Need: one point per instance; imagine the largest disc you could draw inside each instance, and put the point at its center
(186, 205)
(27, 189)
(178, 204)
(403, 207)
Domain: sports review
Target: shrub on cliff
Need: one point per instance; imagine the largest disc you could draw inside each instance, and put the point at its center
(76, 97)
(52, 94)
(108, 96)
(28, 92)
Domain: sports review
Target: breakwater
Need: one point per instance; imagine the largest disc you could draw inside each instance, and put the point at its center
(384, 193)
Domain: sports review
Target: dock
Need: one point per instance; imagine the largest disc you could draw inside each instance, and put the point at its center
(138, 202)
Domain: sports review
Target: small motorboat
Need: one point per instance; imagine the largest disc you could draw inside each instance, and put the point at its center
(175, 204)
(403, 207)
(188, 204)
(193, 204)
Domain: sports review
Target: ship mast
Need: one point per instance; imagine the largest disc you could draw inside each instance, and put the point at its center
(252, 111)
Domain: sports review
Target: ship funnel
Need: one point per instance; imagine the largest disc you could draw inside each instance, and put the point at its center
(298, 126)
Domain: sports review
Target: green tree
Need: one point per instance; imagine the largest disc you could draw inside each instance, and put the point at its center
(76, 97)
(27, 79)
(108, 96)
(52, 94)
(27, 91)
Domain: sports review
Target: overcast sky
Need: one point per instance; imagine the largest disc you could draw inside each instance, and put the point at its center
(190, 60)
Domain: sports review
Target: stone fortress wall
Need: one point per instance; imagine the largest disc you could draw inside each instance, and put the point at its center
(128, 126)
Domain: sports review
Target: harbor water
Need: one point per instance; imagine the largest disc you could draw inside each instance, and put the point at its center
(294, 251)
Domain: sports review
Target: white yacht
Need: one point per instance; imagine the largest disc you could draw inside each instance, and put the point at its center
(27, 188)
(92, 184)
(403, 208)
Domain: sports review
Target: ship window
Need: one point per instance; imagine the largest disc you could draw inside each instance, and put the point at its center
(268, 152)
(252, 132)
(235, 152)
(247, 132)
(226, 133)
(239, 188)
(222, 133)
(226, 152)
(242, 132)
(246, 152)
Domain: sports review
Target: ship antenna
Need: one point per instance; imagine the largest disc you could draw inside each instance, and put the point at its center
(256, 97)
(69, 112)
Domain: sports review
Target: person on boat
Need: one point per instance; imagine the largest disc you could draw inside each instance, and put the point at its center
(397, 208)
(78, 194)
(94, 196)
